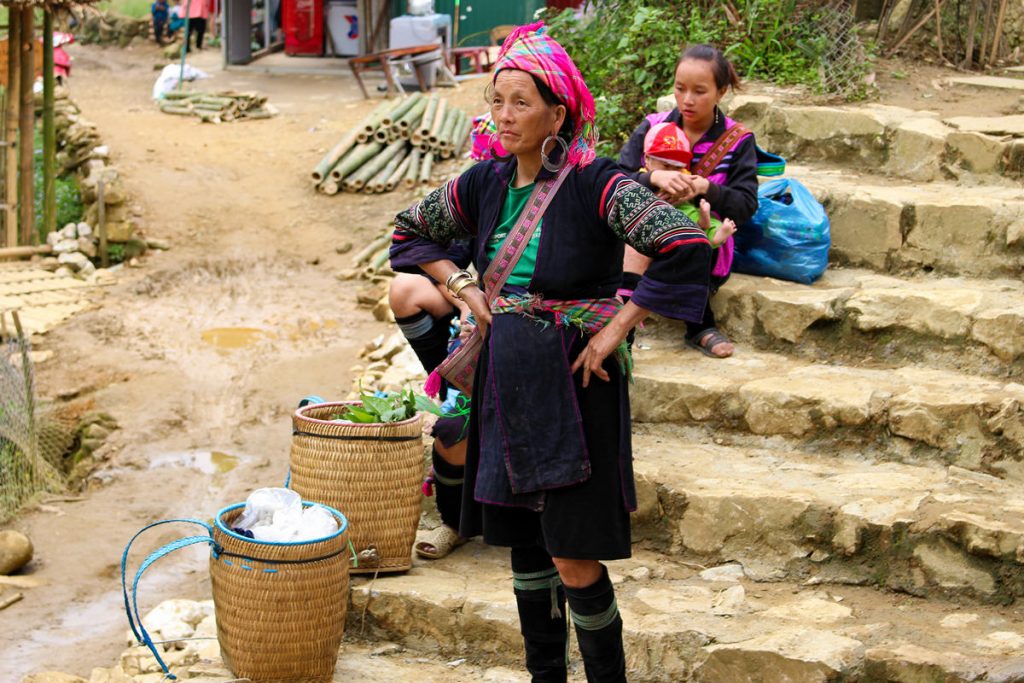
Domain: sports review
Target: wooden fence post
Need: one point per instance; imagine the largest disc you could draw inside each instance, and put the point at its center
(11, 126)
(26, 128)
(49, 130)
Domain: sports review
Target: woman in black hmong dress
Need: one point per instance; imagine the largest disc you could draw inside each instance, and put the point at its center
(549, 464)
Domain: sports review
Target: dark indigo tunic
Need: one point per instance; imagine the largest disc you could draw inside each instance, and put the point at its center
(528, 435)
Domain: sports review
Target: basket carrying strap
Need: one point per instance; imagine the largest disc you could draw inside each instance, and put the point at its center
(132, 609)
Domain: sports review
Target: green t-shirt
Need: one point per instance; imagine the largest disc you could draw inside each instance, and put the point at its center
(510, 210)
(693, 213)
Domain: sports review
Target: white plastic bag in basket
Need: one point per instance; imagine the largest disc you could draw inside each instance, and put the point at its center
(276, 515)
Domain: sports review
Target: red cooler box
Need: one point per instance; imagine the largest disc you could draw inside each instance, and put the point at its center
(303, 27)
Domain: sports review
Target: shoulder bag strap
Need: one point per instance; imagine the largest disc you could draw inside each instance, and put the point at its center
(518, 238)
(723, 145)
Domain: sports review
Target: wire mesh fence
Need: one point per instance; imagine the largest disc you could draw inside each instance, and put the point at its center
(842, 55)
(32, 438)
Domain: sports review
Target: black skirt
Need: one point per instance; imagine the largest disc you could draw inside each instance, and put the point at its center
(585, 521)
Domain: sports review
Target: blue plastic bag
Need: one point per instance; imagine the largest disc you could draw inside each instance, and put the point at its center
(788, 237)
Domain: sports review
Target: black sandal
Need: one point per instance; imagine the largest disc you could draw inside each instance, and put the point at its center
(712, 337)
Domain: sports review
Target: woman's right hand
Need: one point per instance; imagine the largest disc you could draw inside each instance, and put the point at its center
(476, 300)
(672, 185)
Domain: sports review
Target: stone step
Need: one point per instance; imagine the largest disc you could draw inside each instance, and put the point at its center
(722, 628)
(906, 413)
(939, 226)
(792, 515)
(906, 143)
(856, 315)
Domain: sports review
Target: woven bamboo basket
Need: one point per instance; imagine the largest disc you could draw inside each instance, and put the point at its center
(371, 472)
(280, 606)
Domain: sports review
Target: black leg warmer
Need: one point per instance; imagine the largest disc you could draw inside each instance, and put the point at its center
(599, 630)
(448, 489)
(541, 602)
(427, 336)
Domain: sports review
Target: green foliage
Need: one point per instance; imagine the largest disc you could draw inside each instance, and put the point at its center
(375, 408)
(135, 9)
(627, 49)
(69, 198)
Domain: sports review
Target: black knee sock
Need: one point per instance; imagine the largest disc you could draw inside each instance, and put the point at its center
(541, 602)
(629, 283)
(448, 489)
(427, 336)
(599, 630)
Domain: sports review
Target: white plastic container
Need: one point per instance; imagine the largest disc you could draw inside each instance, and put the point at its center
(344, 25)
(409, 31)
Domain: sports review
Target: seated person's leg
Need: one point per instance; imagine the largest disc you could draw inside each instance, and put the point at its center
(423, 314)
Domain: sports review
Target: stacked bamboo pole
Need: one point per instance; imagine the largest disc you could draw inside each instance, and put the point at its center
(396, 144)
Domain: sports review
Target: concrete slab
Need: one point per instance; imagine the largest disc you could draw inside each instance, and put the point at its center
(989, 82)
(991, 125)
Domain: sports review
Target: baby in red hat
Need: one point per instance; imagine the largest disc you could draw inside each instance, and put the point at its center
(667, 149)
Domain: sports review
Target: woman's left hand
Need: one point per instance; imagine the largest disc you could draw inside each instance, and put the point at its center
(592, 357)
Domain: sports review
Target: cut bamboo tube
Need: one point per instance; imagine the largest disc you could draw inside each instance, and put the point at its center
(462, 136)
(413, 115)
(380, 180)
(26, 128)
(12, 104)
(444, 139)
(366, 173)
(24, 252)
(413, 173)
(328, 187)
(428, 117)
(381, 135)
(348, 142)
(400, 110)
(379, 259)
(364, 254)
(428, 163)
(372, 122)
(439, 116)
(399, 173)
(359, 157)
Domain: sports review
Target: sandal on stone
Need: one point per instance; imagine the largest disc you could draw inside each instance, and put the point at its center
(705, 340)
(437, 543)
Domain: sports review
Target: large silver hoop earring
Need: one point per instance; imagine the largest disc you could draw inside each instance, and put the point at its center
(545, 160)
(490, 148)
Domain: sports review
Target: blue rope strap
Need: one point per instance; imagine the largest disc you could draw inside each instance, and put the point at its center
(132, 608)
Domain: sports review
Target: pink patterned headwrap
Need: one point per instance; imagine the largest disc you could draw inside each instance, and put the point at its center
(530, 49)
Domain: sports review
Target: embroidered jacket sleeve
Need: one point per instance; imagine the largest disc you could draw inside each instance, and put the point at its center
(737, 198)
(425, 231)
(676, 283)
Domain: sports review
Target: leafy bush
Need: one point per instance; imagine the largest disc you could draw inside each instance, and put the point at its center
(627, 49)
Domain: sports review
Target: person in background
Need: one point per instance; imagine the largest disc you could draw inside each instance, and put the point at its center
(198, 13)
(702, 78)
(159, 12)
(424, 312)
(177, 19)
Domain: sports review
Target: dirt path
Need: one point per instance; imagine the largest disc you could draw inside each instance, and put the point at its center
(254, 246)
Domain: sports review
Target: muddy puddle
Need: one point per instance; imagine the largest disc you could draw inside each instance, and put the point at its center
(230, 338)
(206, 462)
